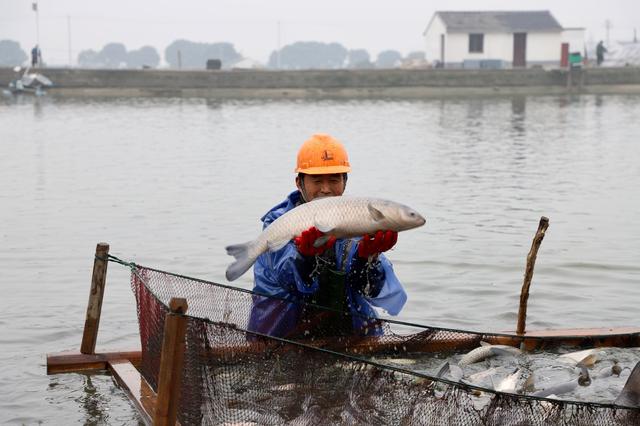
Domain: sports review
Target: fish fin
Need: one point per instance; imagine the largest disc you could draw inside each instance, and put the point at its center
(323, 227)
(376, 214)
(242, 263)
(588, 361)
(277, 245)
(483, 343)
(493, 384)
(529, 384)
(630, 395)
(455, 372)
(443, 369)
(320, 241)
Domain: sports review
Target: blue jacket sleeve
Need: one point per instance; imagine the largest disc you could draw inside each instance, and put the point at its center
(391, 296)
(284, 272)
(377, 284)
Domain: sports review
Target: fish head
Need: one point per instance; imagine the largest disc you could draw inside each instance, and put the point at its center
(394, 216)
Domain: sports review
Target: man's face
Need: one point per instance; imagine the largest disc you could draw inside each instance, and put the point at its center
(316, 186)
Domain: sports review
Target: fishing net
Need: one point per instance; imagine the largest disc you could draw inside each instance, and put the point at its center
(319, 375)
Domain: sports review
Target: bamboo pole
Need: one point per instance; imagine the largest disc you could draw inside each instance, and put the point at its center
(170, 374)
(94, 307)
(531, 261)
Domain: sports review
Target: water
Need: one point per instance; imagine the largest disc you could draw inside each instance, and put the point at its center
(169, 182)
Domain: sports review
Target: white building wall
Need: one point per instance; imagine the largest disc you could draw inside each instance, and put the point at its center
(575, 38)
(496, 46)
(544, 47)
(432, 38)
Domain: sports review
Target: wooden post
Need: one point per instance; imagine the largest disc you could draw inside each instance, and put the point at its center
(170, 374)
(531, 261)
(94, 308)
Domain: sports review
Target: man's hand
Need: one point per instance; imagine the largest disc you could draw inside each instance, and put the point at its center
(372, 245)
(305, 242)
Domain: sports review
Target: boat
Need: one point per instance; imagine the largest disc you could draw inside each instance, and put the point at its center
(28, 83)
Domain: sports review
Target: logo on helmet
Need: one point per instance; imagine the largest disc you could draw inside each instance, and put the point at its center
(327, 155)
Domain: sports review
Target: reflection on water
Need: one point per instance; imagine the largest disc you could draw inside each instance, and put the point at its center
(169, 182)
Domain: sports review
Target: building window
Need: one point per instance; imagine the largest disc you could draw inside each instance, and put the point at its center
(476, 43)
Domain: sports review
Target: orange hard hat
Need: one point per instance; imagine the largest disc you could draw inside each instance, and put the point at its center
(322, 154)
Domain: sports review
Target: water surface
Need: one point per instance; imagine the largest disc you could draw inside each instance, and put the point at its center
(169, 182)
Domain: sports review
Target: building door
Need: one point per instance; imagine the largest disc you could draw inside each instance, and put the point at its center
(442, 50)
(519, 49)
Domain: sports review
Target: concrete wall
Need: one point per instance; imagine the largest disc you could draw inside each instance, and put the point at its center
(340, 83)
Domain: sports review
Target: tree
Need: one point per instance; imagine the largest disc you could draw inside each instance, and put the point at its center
(195, 55)
(11, 54)
(309, 55)
(416, 56)
(388, 59)
(359, 58)
(146, 56)
(88, 59)
(113, 55)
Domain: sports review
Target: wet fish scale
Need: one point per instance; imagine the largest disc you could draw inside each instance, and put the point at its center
(342, 217)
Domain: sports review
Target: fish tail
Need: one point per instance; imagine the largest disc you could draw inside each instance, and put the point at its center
(243, 261)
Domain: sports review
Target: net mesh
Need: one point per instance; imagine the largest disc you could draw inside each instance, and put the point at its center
(319, 376)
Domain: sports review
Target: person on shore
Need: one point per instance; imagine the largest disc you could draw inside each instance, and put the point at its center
(36, 56)
(349, 276)
(600, 51)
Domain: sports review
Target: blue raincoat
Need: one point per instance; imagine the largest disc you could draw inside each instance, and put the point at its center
(284, 274)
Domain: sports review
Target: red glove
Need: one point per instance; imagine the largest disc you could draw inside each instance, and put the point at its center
(371, 245)
(305, 242)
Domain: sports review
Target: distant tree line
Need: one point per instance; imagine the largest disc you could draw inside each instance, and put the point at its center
(11, 54)
(115, 55)
(189, 55)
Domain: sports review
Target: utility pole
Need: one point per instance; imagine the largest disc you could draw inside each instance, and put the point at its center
(69, 39)
(278, 48)
(635, 36)
(34, 6)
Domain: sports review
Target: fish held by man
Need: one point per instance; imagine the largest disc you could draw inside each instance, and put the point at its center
(341, 217)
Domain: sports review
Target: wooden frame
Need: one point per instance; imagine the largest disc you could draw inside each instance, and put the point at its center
(155, 409)
(161, 408)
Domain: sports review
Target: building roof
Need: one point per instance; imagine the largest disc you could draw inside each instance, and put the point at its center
(500, 21)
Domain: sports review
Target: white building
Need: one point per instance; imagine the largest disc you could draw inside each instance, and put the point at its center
(496, 39)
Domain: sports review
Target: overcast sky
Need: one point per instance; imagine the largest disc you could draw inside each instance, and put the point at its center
(252, 25)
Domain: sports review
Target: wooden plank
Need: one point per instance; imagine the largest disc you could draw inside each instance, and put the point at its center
(170, 374)
(137, 388)
(442, 341)
(73, 361)
(581, 337)
(94, 307)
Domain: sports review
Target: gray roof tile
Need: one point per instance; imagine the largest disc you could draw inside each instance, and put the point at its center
(500, 21)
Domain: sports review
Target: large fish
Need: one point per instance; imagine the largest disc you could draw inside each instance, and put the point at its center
(342, 217)
(485, 351)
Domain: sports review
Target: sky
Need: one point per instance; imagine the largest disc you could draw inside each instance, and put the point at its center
(257, 27)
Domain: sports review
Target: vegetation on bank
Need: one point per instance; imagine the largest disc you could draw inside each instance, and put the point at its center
(185, 54)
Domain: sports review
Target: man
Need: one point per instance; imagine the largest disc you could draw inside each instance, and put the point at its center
(600, 51)
(36, 56)
(347, 276)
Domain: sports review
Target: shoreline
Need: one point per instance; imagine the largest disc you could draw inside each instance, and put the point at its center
(340, 84)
